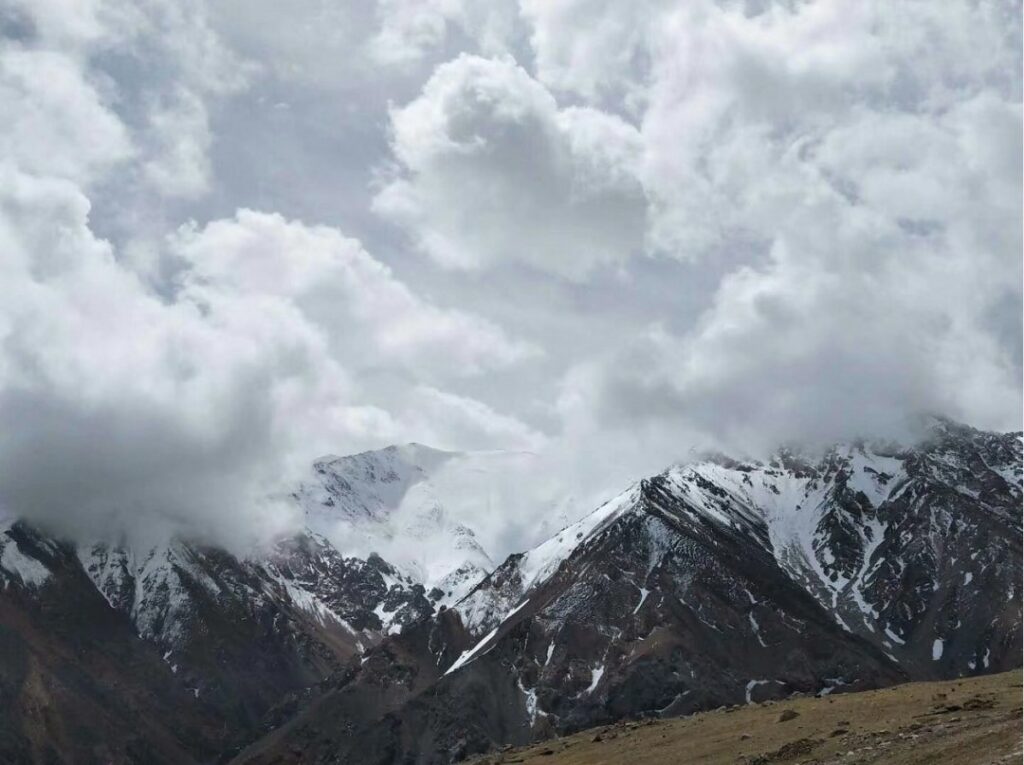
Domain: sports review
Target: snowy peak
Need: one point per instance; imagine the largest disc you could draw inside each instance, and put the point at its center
(397, 502)
(888, 540)
(369, 486)
(24, 555)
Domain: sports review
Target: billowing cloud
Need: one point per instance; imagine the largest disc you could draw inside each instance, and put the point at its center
(184, 398)
(493, 170)
(47, 97)
(235, 237)
(366, 315)
(607, 56)
(877, 176)
(191, 408)
(410, 31)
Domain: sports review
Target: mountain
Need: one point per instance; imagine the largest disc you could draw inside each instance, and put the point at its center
(239, 639)
(392, 502)
(715, 583)
(382, 632)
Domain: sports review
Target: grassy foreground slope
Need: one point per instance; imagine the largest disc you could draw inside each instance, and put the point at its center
(972, 721)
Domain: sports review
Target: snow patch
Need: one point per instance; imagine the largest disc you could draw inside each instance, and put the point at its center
(752, 685)
(757, 629)
(643, 596)
(30, 571)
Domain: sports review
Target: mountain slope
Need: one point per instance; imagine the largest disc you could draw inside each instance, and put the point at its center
(382, 632)
(975, 721)
(76, 683)
(241, 639)
(718, 582)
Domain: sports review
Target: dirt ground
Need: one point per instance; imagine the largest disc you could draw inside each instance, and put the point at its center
(972, 721)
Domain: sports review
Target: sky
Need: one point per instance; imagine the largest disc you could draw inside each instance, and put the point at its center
(237, 236)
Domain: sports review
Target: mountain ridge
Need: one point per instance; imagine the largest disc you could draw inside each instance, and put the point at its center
(717, 581)
(694, 589)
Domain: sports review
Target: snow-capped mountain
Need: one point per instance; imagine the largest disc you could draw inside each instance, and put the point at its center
(242, 632)
(381, 631)
(390, 502)
(376, 551)
(717, 582)
(883, 537)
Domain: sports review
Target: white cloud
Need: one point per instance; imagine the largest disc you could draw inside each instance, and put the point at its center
(824, 197)
(595, 48)
(468, 424)
(877, 175)
(180, 134)
(365, 314)
(410, 31)
(56, 121)
(194, 407)
(494, 171)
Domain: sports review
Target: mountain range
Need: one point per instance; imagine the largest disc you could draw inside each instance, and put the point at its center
(383, 632)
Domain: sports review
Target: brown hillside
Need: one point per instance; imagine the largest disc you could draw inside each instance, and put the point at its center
(974, 721)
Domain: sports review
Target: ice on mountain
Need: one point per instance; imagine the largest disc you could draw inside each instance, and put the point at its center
(16, 564)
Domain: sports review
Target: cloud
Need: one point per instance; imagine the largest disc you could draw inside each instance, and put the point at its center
(876, 179)
(47, 97)
(190, 407)
(238, 236)
(411, 31)
(468, 424)
(180, 133)
(365, 314)
(606, 53)
(493, 171)
(184, 397)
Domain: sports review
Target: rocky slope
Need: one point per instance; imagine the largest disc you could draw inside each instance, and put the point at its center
(717, 582)
(240, 639)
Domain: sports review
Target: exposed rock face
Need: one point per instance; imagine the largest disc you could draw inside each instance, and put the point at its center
(719, 582)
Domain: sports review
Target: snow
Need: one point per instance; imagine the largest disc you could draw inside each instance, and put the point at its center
(757, 629)
(752, 685)
(872, 536)
(30, 571)
(866, 469)
(403, 503)
(542, 561)
(937, 648)
(894, 637)
(833, 683)
(551, 650)
(468, 655)
(790, 508)
(531, 701)
(595, 677)
(487, 607)
(310, 603)
(968, 577)
(643, 596)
